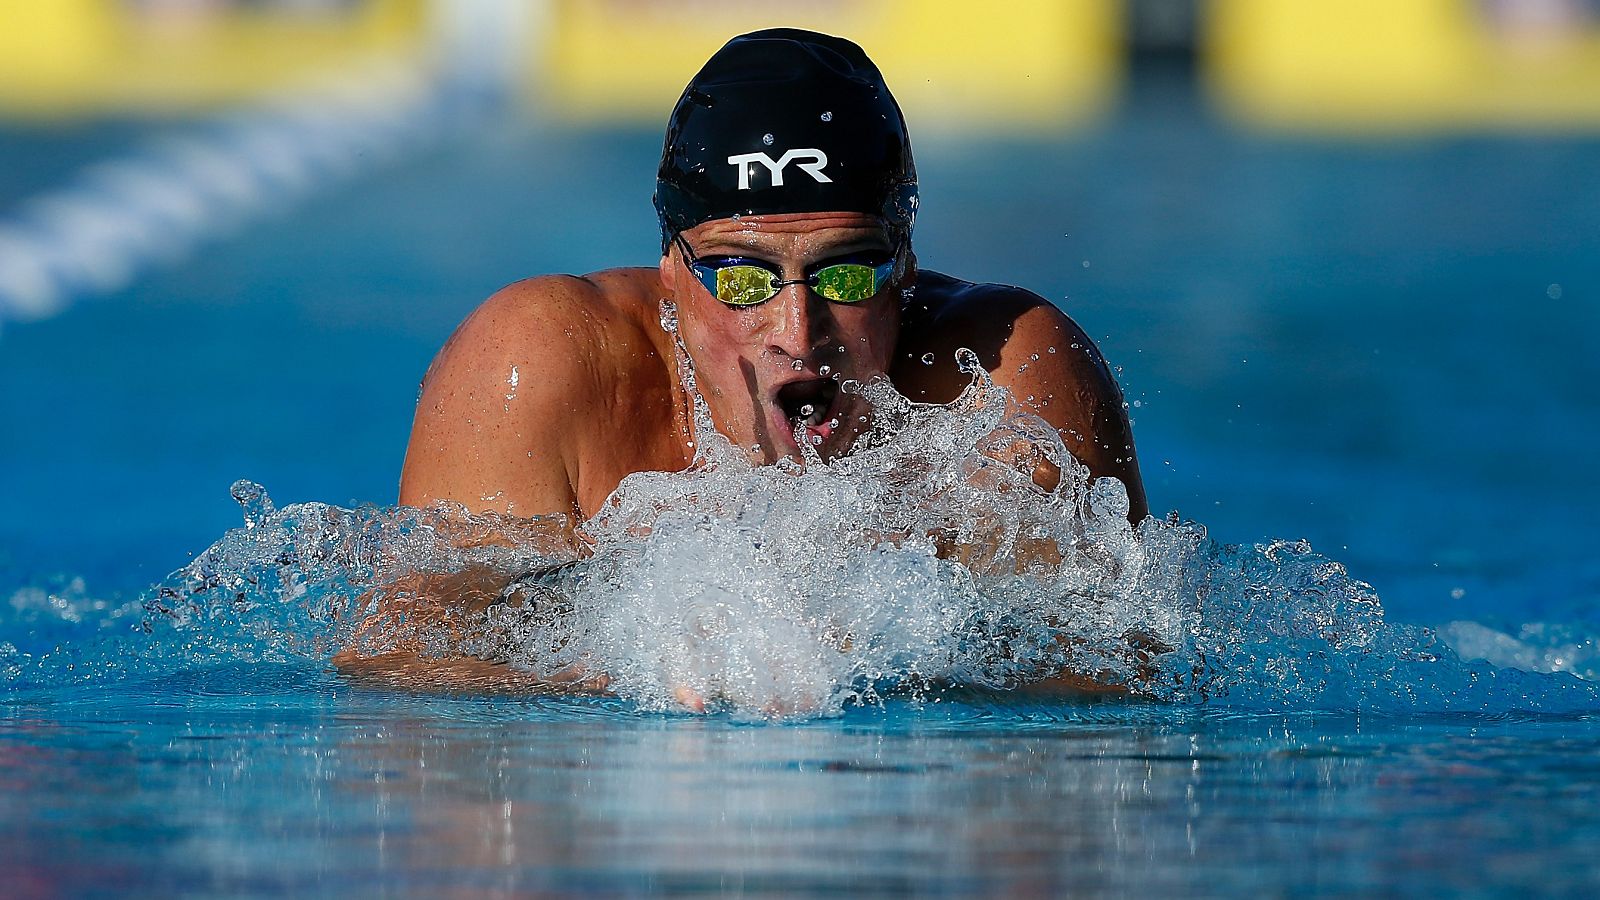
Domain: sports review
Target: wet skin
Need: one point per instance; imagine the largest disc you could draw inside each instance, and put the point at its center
(557, 387)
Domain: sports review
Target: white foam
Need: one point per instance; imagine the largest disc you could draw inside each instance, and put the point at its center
(926, 557)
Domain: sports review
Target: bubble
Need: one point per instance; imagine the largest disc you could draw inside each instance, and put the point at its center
(967, 361)
(806, 409)
(253, 500)
(925, 554)
(767, 139)
(927, 359)
(824, 370)
(1553, 292)
(797, 365)
(827, 116)
(1050, 349)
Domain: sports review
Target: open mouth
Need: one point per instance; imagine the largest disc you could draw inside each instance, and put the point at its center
(808, 405)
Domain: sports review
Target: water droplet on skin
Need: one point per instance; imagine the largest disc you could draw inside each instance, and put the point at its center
(861, 419)
(816, 440)
(1034, 357)
(833, 422)
(827, 116)
(1074, 346)
(797, 365)
(927, 359)
(767, 139)
(824, 370)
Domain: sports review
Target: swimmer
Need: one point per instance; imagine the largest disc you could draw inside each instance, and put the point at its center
(786, 195)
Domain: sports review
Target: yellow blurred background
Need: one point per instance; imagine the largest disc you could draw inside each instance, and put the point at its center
(1356, 65)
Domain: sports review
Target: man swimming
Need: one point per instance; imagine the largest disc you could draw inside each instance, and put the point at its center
(787, 195)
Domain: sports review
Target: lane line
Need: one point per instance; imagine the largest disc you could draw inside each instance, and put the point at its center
(174, 193)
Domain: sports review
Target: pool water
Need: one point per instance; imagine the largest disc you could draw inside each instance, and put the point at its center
(284, 780)
(1384, 349)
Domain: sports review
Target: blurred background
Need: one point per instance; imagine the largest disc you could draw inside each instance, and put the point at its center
(1344, 255)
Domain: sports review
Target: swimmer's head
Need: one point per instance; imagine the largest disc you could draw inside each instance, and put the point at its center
(786, 121)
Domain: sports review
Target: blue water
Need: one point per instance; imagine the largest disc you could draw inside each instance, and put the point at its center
(1386, 349)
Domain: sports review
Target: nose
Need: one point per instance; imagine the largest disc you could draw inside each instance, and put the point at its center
(798, 319)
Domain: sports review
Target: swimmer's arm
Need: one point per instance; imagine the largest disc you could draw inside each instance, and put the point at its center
(410, 670)
(1048, 358)
(494, 423)
(489, 436)
(411, 619)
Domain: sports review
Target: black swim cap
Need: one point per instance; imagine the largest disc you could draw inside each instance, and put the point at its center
(785, 120)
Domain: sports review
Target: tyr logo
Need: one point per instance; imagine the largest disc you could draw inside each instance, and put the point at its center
(817, 159)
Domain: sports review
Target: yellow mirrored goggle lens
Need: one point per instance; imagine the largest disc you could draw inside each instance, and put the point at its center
(847, 282)
(744, 285)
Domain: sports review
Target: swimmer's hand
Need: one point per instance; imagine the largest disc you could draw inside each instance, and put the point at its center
(1140, 651)
(409, 670)
(431, 632)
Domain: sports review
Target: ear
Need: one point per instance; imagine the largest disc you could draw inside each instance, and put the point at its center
(907, 272)
(669, 267)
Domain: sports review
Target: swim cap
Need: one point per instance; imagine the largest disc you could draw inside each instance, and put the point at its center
(785, 120)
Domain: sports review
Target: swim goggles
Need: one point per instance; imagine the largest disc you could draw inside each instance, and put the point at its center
(739, 281)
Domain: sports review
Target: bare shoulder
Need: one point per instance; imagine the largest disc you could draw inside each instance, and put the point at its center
(1010, 329)
(491, 428)
(548, 326)
(1034, 349)
(520, 316)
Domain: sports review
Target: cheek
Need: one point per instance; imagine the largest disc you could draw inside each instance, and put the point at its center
(721, 350)
(869, 336)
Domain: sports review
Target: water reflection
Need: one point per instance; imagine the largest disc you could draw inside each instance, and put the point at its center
(366, 792)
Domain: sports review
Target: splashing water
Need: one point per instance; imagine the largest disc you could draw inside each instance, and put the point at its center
(928, 556)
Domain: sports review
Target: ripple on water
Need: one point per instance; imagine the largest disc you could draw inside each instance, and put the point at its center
(927, 557)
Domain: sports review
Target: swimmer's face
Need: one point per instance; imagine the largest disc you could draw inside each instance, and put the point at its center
(760, 367)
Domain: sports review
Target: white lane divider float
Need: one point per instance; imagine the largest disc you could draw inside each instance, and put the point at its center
(171, 195)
